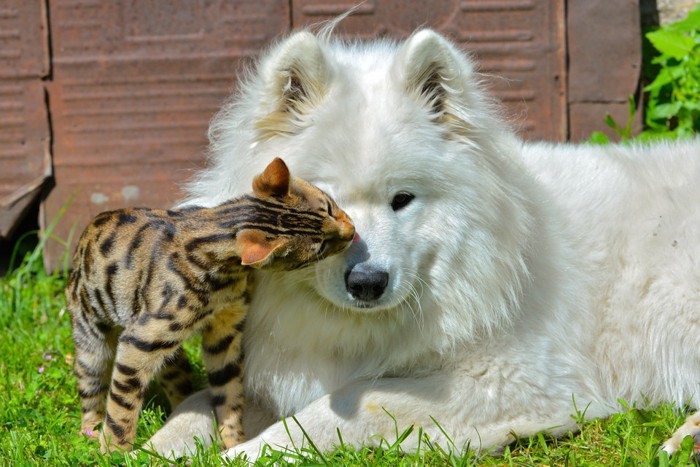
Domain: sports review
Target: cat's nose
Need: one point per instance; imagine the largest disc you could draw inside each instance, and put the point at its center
(366, 284)
(347, 231)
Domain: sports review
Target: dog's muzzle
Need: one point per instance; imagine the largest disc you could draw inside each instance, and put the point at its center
(365, 284)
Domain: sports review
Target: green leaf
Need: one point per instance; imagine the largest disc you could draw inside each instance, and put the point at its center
(631, 108)
(689, 24)
(598, 137)
(664, 110)
(610, 121)
(668, 75)
(672, 43)
(690, 105)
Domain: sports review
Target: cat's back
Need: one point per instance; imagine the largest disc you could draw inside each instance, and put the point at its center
(119, 234)
(119, 252)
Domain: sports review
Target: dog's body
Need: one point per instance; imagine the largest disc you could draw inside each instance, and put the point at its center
(498, 286)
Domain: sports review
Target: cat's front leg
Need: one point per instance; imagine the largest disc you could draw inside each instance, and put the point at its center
(175, 378)
(221, 345)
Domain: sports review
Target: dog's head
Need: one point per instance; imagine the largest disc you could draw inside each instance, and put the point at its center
(406, 141)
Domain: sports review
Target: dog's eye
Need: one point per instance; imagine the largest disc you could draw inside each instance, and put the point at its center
(401, 200)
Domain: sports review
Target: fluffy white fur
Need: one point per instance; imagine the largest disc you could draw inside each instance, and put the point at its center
(525, 279)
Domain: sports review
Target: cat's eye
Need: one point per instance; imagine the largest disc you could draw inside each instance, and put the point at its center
(329, 209)
(401, 200)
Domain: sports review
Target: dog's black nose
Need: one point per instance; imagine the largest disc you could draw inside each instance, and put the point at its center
(366, 285)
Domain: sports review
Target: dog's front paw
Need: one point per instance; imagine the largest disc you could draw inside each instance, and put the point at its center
(691, 428)
(249, 450)
(257, 449)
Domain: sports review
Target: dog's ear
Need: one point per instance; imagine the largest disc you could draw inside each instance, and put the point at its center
(295, 74)
(430, 67)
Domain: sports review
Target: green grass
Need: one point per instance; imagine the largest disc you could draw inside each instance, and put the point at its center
(40, 420)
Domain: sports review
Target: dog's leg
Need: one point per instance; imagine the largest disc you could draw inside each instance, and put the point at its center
(453, 414)
(691, 427)
(194, 418)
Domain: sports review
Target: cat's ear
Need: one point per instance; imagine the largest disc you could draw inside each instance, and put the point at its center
(254, 248)
(274, 181)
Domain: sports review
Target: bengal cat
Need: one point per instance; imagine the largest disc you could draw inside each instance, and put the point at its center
(144, 280)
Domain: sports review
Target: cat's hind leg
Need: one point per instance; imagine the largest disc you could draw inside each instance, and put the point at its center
(94, 354)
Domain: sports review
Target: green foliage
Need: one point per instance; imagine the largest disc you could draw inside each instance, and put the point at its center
(624, 132)
(673, 108)
(673, 96)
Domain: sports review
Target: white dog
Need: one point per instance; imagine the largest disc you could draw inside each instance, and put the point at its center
(498, 284)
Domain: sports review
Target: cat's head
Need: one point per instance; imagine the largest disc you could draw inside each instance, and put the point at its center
(303, 224)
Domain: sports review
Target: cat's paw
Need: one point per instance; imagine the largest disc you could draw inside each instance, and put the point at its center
(691, 428)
